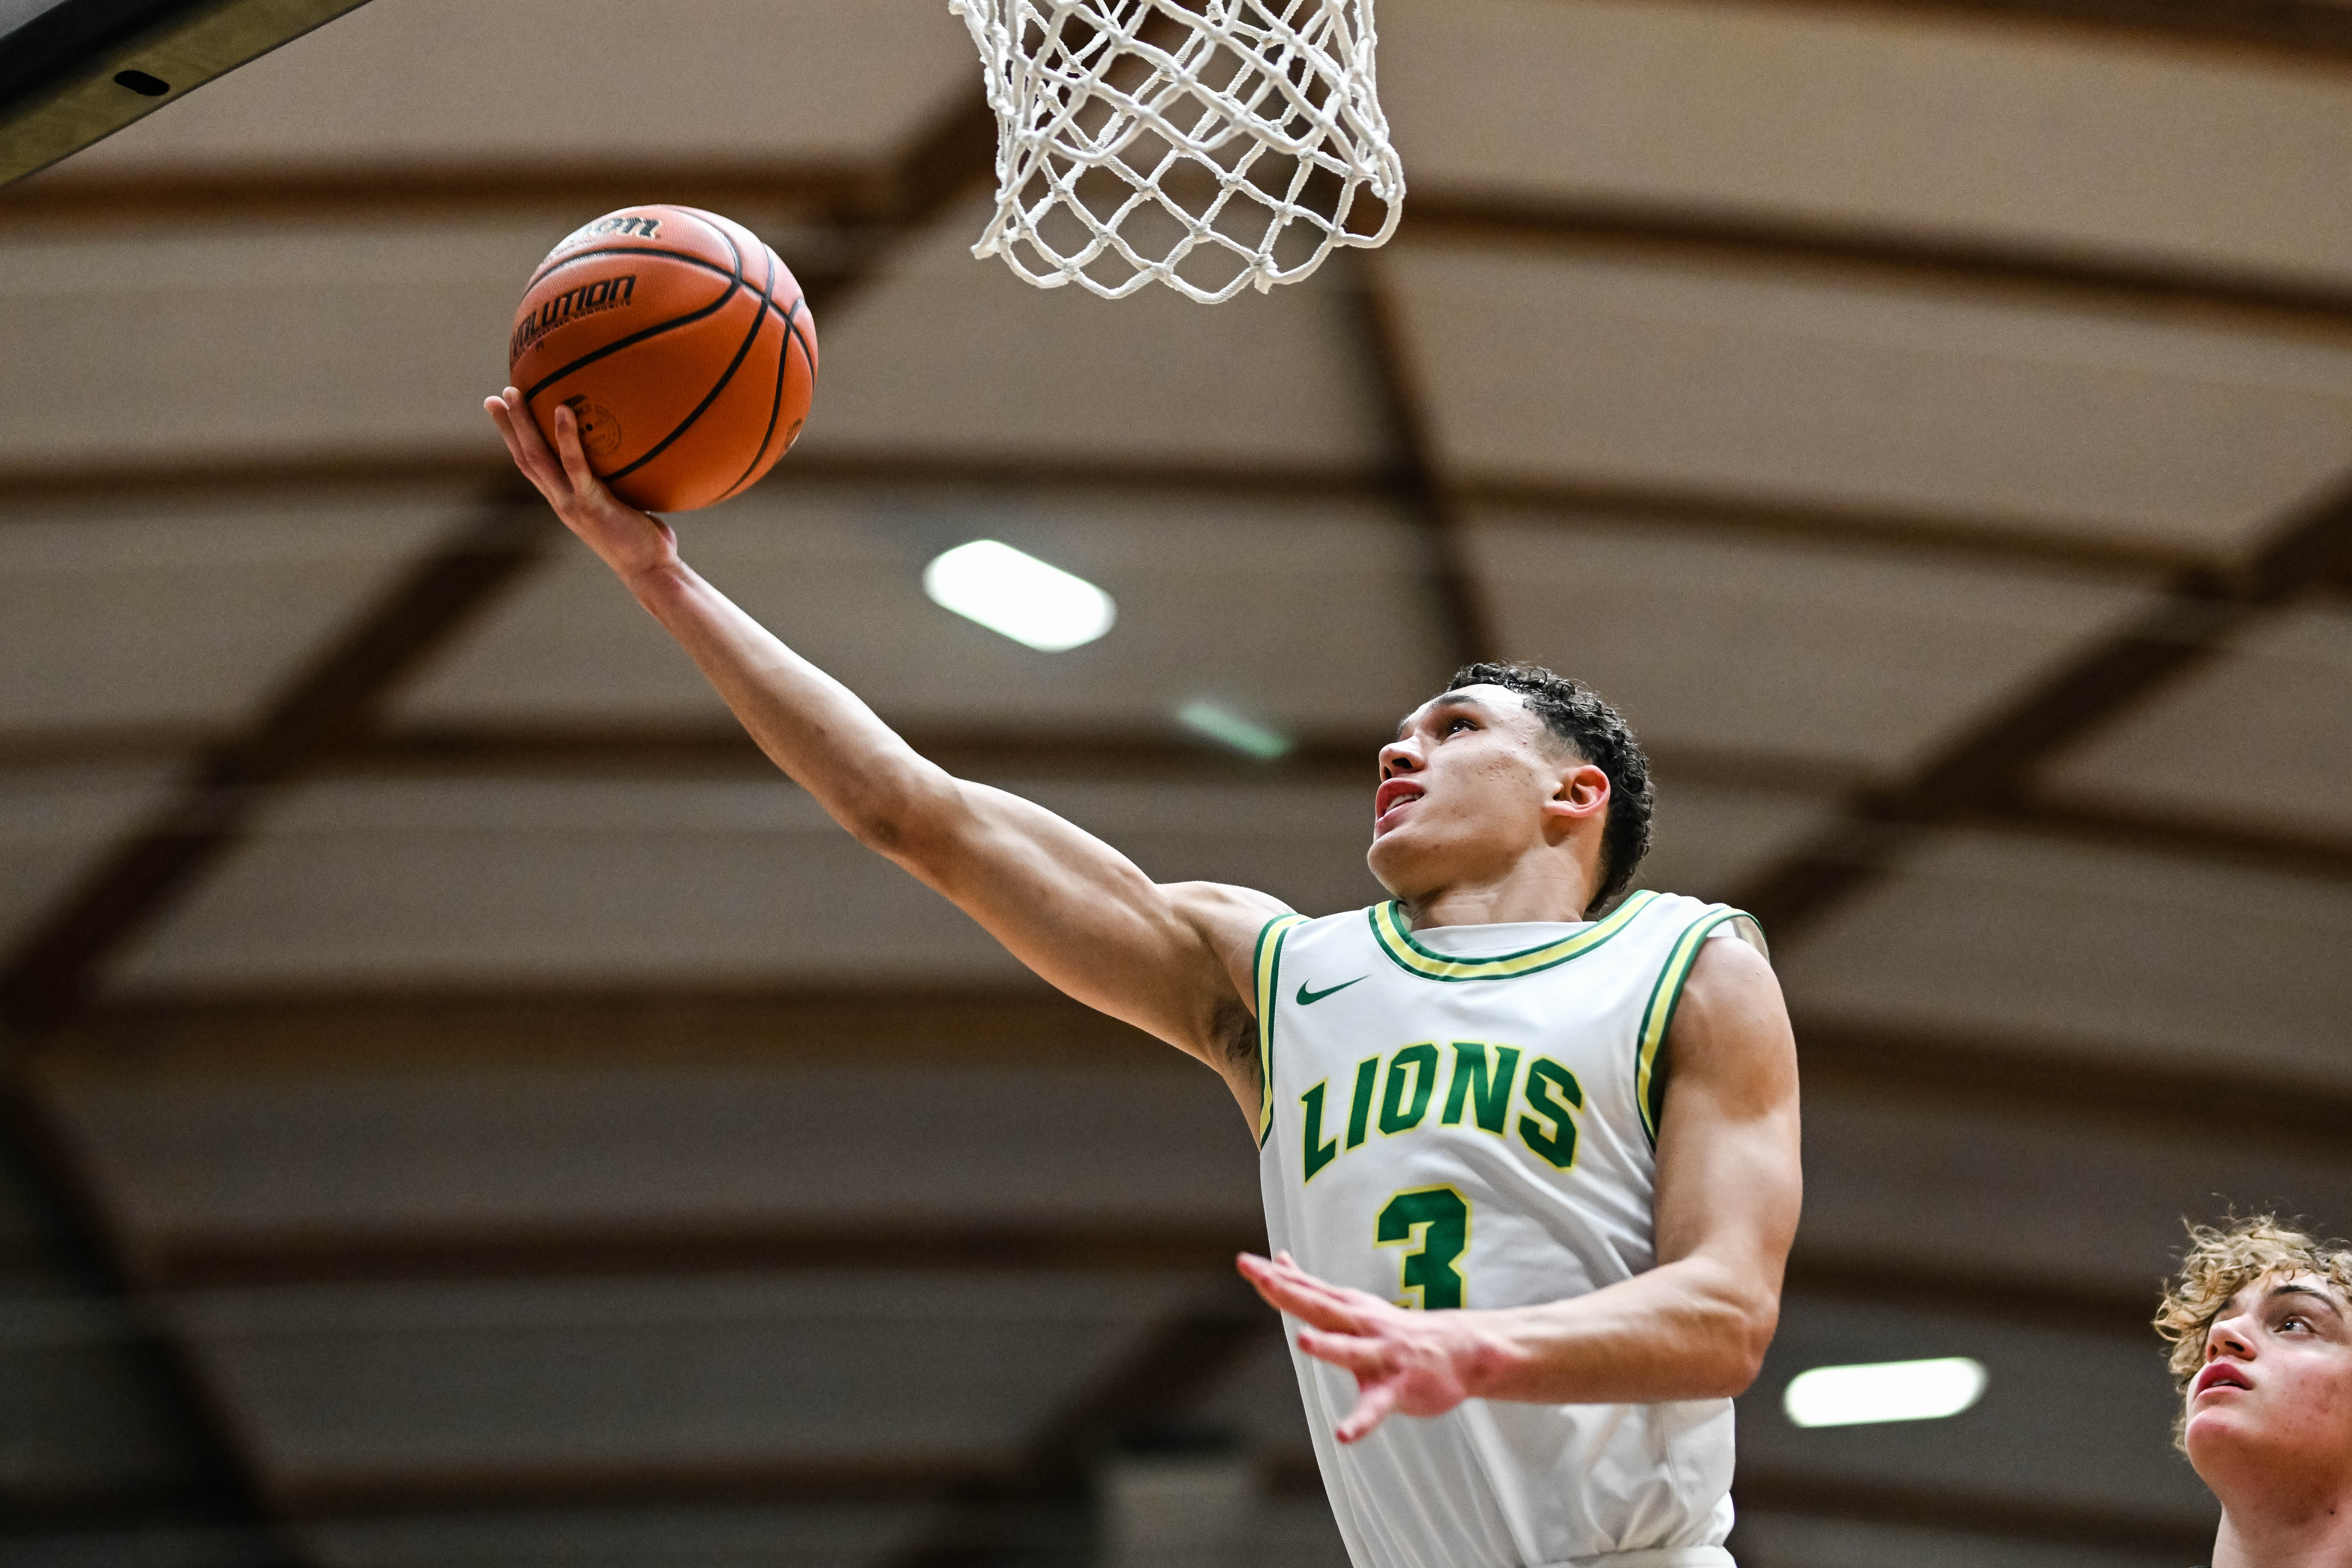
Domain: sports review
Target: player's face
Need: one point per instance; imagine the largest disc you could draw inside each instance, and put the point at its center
(2274, 1396)
(1471, 782)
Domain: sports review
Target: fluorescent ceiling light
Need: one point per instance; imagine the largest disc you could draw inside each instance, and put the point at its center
(1235, 730)
(1884, 1391)
(1019, 596)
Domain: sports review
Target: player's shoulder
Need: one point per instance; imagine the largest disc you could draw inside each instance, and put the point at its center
(1679, 917)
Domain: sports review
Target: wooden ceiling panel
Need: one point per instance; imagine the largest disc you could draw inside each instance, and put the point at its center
(2263, 732)
(1893, 117)
(2121, 957)
(1939, 1188)
(1773, 385)
(1777, 649)
(1710, 839)
(257, 344)
(435, 85)
(395, 883)
(186, 616)
(297, 1159)
(1306, 617)
(344, 1389)
(943, 352)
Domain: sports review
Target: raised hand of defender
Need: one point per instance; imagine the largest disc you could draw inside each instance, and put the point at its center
(628, 540)
(1410, 1363)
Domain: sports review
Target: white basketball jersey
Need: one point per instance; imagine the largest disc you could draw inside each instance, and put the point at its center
(1466, 1116)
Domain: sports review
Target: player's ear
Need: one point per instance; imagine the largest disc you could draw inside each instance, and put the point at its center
(1582, 791)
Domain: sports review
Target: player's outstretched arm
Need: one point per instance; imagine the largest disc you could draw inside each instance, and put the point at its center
(1171, 959)
(1695, 1327)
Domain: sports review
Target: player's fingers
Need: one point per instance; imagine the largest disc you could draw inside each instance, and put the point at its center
(1349, 1304)
(1318, 1307)
(1365, 1358)
(525, 445)
(576, 457)
(1372, 1405)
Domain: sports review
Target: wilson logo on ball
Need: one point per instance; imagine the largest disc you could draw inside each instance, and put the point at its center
(632, 226)
(604, 294)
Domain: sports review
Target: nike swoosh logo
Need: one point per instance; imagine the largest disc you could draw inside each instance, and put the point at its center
(1308, 999)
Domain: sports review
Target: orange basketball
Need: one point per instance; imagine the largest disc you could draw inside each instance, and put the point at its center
(681, 344)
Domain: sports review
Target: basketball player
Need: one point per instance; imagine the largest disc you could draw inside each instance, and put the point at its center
(1533, 1177)
(2260, 1321)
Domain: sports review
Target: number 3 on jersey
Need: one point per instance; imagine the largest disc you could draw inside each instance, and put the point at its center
(1433, 1225)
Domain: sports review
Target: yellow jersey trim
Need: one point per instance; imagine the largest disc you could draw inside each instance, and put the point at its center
(1648, 1077)
(1266, 965)
(1395, 938)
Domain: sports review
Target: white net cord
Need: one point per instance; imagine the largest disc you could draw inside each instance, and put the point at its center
(1204, 144)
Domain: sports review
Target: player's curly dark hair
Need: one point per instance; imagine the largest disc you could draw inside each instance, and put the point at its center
(1577, 716)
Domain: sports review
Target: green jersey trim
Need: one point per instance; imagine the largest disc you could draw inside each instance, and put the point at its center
(1266, 966)
(1390, 931)
(1650, 1064)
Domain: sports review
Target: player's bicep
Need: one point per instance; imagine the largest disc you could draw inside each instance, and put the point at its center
(1730, 1180)
(1082, 915)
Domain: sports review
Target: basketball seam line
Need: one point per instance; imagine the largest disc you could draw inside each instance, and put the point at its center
(637, 337)
(767, 292)
(776, 403)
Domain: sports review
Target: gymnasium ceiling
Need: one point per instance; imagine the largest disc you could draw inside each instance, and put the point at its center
(467, 1108)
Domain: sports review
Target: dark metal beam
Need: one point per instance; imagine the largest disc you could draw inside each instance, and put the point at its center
(1996, 759)
(75, 71)
(1565, 503)
(1463, 618)
(722, 751)
(53, 970)
(1183, 1358)
(2142, 284)
(2307, 30)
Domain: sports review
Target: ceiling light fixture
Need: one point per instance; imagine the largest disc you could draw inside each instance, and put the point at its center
(1232, 730)
(1019, 596)
(1884, 1391)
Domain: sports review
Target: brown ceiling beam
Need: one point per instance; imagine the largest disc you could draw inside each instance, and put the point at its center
(1399, 390)
(538, 749)
(1564, 503)
(827, 193)
(1860, 252)
(52, 971)
(2304, 31)
(1994, 761)
(1184, 1357)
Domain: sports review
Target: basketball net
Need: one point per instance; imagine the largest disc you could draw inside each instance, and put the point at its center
(1204, 144)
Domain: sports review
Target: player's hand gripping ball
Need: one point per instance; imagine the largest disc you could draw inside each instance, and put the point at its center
(681, 345)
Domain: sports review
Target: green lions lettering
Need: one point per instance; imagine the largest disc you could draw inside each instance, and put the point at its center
(1482, 1079)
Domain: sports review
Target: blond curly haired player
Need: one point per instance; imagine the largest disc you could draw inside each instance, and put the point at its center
(2260, 1321)
(1531, 1178)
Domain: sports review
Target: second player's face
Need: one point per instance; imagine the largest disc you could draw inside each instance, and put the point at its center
(2274, 1396)
(1463, 790)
